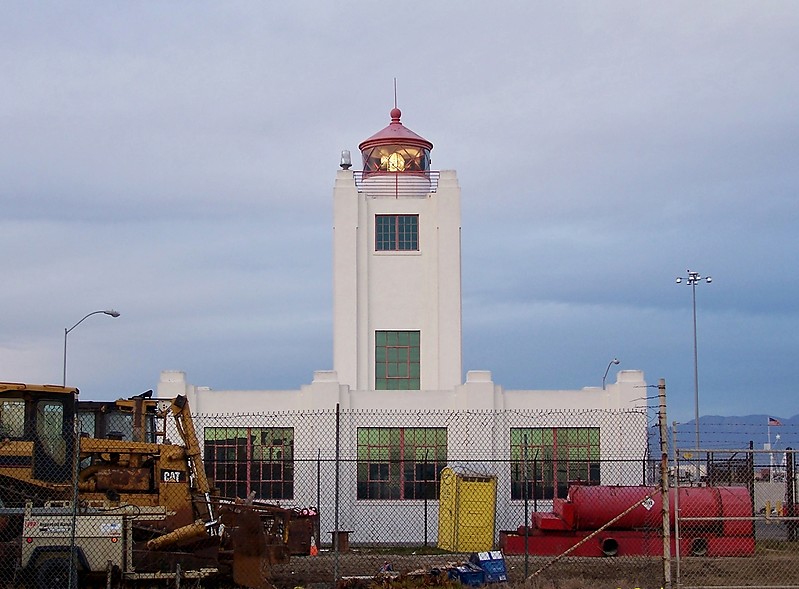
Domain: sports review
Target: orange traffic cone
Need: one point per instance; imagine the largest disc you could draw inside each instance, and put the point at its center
(314, 549)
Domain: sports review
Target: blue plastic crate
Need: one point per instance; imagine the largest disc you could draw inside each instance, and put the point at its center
(468, 574)
(492, 564)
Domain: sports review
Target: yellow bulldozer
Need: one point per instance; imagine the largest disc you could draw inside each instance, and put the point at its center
(114, 458)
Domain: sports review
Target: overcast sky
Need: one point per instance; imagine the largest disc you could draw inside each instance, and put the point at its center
(175, 161)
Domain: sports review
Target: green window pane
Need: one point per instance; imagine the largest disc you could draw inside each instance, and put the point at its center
(515, 436)
(395, 470)
(396, 232)
(397, 357)
(593, 436)
(564, 455)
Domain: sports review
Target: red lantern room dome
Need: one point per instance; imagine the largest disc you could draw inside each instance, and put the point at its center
(395, 149)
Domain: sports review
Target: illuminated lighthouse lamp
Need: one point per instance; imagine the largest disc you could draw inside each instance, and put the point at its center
(396, 160)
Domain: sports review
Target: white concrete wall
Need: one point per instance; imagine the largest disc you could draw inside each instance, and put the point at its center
(478, 393)
(418, 290)
(478, 415)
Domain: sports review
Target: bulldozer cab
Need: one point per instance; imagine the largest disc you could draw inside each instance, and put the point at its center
(36, 432)
(133, 420)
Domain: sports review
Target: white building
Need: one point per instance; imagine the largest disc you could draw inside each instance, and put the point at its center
(397, 348)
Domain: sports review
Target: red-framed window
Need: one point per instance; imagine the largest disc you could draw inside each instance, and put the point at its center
(398, 233)
(244, 459)
(400, 462)
(397, 360)
(546, 460)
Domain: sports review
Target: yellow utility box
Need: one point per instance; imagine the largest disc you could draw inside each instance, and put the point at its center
(466, 511)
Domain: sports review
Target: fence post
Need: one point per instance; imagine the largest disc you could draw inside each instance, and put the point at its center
(676, 501)
(318, 527)
(664, 482)
(336, 500)
(73, 571)
(750, 480)
(426, 492)
(790, 492)
(526, 513)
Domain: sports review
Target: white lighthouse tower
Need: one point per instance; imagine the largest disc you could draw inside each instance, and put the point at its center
(397, 267)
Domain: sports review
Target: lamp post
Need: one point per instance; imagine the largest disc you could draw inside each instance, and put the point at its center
(611, 363)
(692, 280)
(109, 312)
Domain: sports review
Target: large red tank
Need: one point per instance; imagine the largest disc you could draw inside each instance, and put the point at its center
(714, 521)
(594, 506)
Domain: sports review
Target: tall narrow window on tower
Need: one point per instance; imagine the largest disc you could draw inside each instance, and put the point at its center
(397, 361)
(398, 233)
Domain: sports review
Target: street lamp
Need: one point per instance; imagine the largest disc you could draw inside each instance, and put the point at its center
(692, 280)
(611, 363)
(109, 312)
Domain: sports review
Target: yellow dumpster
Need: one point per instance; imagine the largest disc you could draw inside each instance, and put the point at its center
(466, 511)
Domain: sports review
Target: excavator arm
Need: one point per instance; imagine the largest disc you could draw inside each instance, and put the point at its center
(184, 424)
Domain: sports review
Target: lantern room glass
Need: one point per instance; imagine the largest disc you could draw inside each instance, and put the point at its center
(396, 158)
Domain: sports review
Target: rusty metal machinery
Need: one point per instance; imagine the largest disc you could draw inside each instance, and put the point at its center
(123, 460)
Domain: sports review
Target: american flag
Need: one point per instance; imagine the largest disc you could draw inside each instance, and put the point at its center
(772, 421)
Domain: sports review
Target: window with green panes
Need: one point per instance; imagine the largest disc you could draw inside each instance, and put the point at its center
(245, 459)
(397, 361)
(550, 459)
(396, 233)
(400, 462)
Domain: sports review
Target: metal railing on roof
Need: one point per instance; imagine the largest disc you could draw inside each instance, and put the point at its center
(396, 183)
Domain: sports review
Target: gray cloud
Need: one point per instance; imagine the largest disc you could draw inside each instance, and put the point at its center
(176, 162)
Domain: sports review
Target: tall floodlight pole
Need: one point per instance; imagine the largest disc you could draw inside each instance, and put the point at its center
(109, 312)
(692, 280)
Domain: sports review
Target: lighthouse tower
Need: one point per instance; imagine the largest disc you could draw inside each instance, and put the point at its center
(397, 267)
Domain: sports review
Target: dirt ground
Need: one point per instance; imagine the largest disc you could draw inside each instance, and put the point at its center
(358, 569)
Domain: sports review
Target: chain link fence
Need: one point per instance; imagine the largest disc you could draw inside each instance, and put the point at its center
(418, 491)
(737, 506)
(141, 493)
